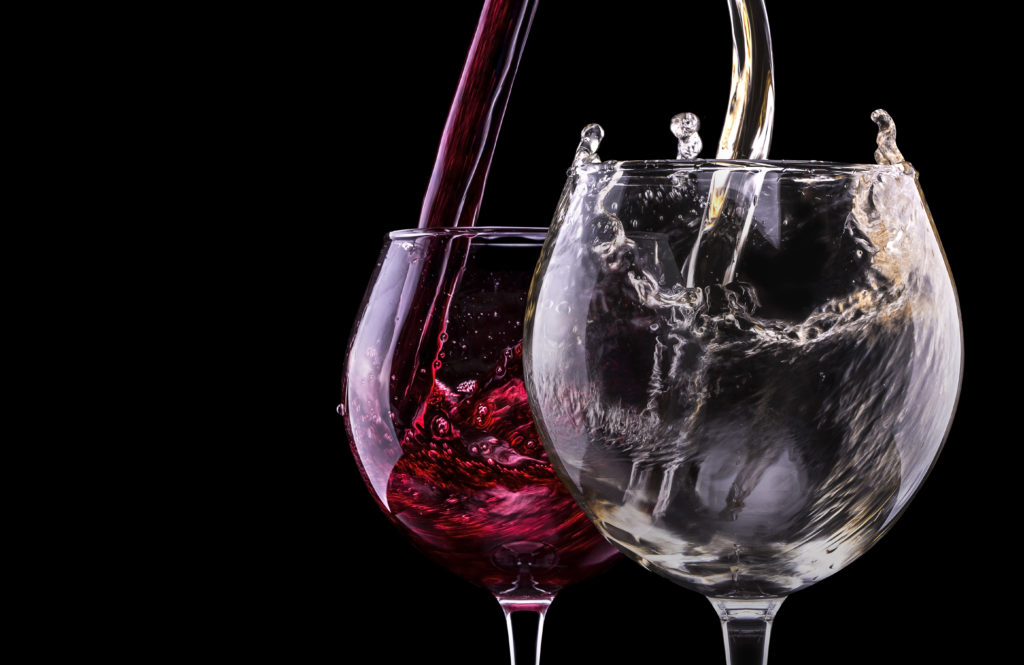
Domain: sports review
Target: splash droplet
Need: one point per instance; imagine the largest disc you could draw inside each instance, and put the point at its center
(888, 152)
(441, 426)
(684, 127)
(340, 409)
(590, 139)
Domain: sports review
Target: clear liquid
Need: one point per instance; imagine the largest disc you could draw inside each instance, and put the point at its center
(748, 438)
(747, 133)
(756, 463)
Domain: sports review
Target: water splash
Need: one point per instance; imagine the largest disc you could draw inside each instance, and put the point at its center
(888, 152)
(746, 423)
(746, 134)
(590, 140)
(684, 128)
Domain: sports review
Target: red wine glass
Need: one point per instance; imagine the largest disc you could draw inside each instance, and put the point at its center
(438, 420)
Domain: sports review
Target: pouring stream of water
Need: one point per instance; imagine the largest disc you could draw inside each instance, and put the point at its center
(747, 133)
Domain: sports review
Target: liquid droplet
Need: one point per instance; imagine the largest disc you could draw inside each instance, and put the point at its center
(340, 409)
(590, 139)
(441, 426)
(684, 127)
(888, 152)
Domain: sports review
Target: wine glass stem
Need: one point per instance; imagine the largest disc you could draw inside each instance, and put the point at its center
(746, 627)
(525, 622)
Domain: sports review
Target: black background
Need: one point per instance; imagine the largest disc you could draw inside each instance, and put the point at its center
(359, 103)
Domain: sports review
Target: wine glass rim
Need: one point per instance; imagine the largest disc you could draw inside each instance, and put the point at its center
(498, 234)
(796, 168)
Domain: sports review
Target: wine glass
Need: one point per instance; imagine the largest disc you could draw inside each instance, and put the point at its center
(438, 419)
(743, 370)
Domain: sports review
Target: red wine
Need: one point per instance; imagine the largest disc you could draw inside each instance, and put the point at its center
(471, 132)
(438, 417)
(476, 491)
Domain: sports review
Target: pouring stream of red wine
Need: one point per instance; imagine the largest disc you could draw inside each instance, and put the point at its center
(470, 135)
(471, 132)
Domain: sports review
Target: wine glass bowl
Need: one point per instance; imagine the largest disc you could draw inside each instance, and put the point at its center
(743, 370)
(438, 419)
